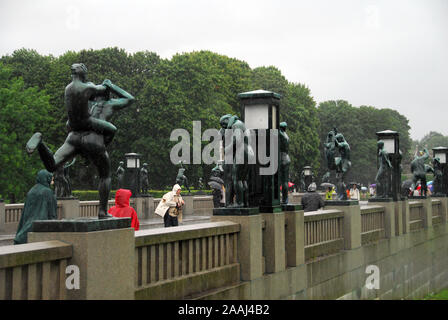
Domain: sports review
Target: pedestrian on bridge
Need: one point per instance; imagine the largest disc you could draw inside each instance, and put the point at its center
(311, 200)
(122, 209)
(171, 206)
(40, 204)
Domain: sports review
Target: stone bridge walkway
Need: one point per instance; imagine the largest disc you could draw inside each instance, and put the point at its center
(8, 239)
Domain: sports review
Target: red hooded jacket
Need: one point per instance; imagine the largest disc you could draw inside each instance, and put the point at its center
(122, 208)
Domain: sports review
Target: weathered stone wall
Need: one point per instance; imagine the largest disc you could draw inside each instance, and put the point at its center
(284, 255)
(411, 264)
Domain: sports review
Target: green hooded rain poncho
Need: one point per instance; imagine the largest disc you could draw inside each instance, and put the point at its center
(40, 204)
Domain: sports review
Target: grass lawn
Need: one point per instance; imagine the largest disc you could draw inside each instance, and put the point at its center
(442, 295)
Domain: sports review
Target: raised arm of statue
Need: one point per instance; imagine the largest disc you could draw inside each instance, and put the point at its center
(426, 155)
(125, 100)
(385, 157)
(95, 90)
(70, 164)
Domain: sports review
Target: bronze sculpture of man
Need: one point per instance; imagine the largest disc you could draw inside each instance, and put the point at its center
(330, 150)
(181, 178)
(89, 133)
(419, 171)
(343, 164)
(438, 177)
(144, 179)
(383, 176)
(236, 174)
(62, 183)
(120, 175)
(284, 161)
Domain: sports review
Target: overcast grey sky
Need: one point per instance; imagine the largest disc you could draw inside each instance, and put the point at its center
(386, 53)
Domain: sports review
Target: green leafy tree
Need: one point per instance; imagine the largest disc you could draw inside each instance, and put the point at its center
(22, 110)
(297, 109)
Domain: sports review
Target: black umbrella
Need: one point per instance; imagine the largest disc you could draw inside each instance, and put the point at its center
(327, 185)
(214, 185)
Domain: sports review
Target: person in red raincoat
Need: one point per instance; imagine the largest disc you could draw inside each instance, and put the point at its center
(122, 208)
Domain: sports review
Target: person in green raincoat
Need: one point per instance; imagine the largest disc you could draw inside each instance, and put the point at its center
(40, 204)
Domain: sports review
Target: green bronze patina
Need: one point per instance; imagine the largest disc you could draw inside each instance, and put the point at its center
(383, 175)
(144, 178)
(341, 164)
(419, 170)
(88, 107)
(236, 175)
(181, 178)
(285, 161)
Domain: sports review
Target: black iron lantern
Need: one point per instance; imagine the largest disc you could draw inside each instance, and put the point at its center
(131, 176)
(260, 112)
(441, 153)
(391, 141)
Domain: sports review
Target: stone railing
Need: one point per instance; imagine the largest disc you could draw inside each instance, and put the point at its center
(323, 233)
(289, 254)
(436, 211)
(90, 208)
(191, 259)
(10, 213)
(34, 271)
(12, 216)
(372, 224)
(416, 215)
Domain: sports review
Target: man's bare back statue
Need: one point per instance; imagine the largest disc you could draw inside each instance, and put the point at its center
(88, 107)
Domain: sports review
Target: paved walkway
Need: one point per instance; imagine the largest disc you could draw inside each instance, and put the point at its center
(8, 239)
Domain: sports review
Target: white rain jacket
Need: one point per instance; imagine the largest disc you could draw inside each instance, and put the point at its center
(167, 201)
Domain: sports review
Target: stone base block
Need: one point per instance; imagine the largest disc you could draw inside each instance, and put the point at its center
(235, 211)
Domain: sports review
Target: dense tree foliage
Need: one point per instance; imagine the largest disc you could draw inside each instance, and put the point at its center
(22, 110)
(429, 141)
(171, 94)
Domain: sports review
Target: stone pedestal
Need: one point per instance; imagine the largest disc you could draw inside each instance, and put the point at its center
(389, 215)
(352, 221)
(291, 207)
(270, 209)
(443, 205)
(2, 216)
(389, 219)
(70, 208)
(235, 211)
(103, 250)
(189, 205)
(294, 239)
(399, 226)
(427, 212)
(405, 215)
(144, 205)
(250, 254)
(274, 241)
(150, 207)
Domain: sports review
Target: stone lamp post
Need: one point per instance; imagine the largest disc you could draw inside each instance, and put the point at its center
(442, 154)
(391, 141)
(131, 176)
(260, 112)
(307, 176)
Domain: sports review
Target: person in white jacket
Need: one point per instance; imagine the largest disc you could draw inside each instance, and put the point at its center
(354, 193)
(170, 207)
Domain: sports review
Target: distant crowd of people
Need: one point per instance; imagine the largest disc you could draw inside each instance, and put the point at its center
(312, 200)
